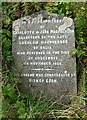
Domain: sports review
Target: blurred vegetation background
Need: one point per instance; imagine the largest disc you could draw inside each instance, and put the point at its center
(20, 105)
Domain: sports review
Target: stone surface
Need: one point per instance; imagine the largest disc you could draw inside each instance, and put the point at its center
(42, 49)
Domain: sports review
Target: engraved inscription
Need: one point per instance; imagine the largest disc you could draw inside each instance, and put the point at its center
(42, 51)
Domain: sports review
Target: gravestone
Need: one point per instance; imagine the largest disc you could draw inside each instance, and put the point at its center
(42, 49)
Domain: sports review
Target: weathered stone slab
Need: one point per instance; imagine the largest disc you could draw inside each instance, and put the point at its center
(42, 49)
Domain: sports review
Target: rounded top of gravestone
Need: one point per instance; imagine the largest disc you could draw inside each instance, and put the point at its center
(38, 17)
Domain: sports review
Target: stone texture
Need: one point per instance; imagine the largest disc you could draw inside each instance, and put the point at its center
(42, 49)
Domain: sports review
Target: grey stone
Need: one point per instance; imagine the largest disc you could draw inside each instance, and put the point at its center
(42, 49)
